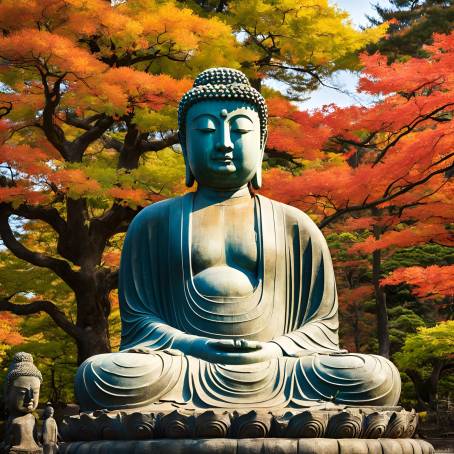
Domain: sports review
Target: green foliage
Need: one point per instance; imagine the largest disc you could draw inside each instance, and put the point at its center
(421, 255)
(53, 350)
(162, 171)
(412, 25)
(54, 354)
(420, 350)
(402, 322)
(292, 41)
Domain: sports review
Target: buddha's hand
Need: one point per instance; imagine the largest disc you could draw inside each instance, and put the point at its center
(230, 351)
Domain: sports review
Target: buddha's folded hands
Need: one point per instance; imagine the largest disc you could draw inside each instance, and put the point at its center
(229, 351)
(221, 351)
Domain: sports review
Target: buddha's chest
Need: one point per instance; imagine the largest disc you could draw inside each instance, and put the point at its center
(21, 432)
(224, 249)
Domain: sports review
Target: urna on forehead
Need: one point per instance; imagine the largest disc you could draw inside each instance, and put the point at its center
(224, 84)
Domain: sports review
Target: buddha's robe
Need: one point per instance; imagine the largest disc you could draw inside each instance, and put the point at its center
(294, 305)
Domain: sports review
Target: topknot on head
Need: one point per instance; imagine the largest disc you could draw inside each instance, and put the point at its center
(221, 76)
(22, 365)
(22, 357)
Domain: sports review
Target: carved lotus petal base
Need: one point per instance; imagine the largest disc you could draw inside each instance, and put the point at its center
(252, 446)
(333, 423)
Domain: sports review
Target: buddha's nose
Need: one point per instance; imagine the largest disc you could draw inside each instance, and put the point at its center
(225, 144)
(29, 396)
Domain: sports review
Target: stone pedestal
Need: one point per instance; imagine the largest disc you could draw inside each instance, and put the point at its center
(252, 446)
(329, 429)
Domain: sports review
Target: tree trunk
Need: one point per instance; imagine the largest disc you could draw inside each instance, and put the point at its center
(380, 300)
(427, 390)
(357, 335)
(93, 310)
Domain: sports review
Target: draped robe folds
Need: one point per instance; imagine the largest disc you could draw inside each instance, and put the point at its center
(294, 305)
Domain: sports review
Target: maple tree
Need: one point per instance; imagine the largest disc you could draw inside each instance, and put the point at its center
(384, 168)
(85, 98)
(88, 112)
(428, 282)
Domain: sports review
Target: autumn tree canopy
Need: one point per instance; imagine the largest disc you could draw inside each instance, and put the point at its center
(385, 169)
(88, 105)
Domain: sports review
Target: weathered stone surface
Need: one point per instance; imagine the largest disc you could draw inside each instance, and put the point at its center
(22, 387)
(49, 431)
(336, 423)
(252, 446)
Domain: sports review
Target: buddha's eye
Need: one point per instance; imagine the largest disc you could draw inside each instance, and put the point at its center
(204, 124)
(241, 125)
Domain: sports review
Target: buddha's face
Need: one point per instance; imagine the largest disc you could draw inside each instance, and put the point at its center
(223, 143)
(23, 394)
(48, 412)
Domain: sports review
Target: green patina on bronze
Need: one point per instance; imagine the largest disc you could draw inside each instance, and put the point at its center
(228, 300)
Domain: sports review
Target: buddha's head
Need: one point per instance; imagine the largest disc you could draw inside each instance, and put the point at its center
(22, 385)
(223, 127)
(48, 411)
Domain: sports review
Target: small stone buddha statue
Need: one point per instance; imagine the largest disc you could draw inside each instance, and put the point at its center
(49, 435)
(227, 298)
(22, 394)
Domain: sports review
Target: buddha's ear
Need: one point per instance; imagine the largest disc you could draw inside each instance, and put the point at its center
(189, 178)
(257, 178)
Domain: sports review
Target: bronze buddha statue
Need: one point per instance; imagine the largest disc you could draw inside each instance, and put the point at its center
(227, 298)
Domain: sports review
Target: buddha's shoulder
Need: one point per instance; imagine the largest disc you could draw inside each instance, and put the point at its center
(155, 213)
(297, 218)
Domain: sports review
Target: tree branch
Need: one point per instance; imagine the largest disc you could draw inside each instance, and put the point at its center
(383, 199)
(81, 123)
(115, 220)
(80, 144)
(48, 215)
(159, 144)
(50, 308)
(53, 132)
(60, 267)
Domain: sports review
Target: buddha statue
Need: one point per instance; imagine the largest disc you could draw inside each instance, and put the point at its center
(227, 298)
(49, 435)
(22, 386)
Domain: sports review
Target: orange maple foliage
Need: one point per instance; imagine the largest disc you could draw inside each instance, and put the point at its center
(9, 333)
(429, 282)
(356, 295)
(298, 133)
(411, 236)
(111, 259)
(402, 142)
(382, 172)
(134, 196)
